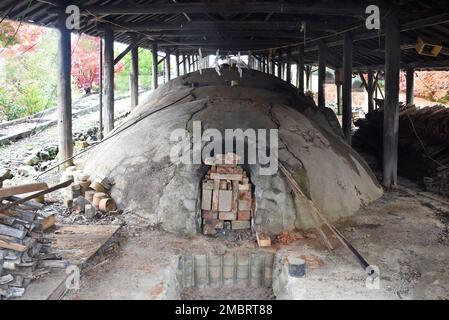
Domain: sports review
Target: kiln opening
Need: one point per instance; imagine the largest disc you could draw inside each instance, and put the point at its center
(227, 196)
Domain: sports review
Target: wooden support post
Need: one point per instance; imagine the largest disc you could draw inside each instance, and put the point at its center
(347, 86)
(100, 87)
(410, 77)
(300, 67)
(279, 64)
(391, 114)
(178, 72)
(308, 77)
(339, 106)
(370, 90)
(250, 60)
(273, 65)
(154, 65)
(189, 65)
(321, 74)
(184, 64)
(109, 79)
(288, 66)
(64, 92)
(134, 77)
(167, 64)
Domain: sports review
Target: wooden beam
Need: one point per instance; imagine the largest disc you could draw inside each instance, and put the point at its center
(134, 87)
(154, 65)
(134, 44)
(322, 53)
(109, 79)
(21, 189)
(64, 92)
(347, 86)
(184, 64)
(300, 67)
(207, 25)
(242, 7)
(391, 104)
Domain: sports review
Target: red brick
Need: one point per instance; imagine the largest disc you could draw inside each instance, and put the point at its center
(209, 215)
(244, 215)
(227, 215)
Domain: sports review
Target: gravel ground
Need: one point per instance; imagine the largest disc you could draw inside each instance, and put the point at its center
(13, 156)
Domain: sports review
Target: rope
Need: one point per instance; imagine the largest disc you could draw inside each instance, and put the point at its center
(113, 134)
(422, 143)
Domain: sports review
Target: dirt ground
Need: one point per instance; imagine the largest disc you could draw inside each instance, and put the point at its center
(405, 234)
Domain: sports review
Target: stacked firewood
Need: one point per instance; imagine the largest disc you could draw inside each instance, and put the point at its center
(25, 254)
(86, 195)
(423, 142)
(227, 201)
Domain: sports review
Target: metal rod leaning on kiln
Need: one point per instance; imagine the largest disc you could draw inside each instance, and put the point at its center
(297, 190)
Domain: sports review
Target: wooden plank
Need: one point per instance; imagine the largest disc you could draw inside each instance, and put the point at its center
(235, 195)
(215, 195)
(226, 176)
(12, 232)
(206, 200)
(25, 188)
(12, 246)
(35, 195)
(263, 240)
(225, 200)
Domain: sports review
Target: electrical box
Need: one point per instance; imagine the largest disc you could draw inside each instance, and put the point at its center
(427, 47)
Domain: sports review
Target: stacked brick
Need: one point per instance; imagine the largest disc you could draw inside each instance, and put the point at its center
(227, 201)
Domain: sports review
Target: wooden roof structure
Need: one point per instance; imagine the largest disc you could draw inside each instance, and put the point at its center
(259, 26)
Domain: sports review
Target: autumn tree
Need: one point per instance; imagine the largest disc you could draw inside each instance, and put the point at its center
(85, 64)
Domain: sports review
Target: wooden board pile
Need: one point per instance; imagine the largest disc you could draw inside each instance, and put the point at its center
(25, 254)
(227, 201)
(88, 196)
(423, 143)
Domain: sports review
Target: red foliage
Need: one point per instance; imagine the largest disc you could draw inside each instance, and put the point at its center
(85, 64)
(18, 38)
(432, 85)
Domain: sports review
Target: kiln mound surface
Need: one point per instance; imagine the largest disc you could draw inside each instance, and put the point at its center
(146, 182)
